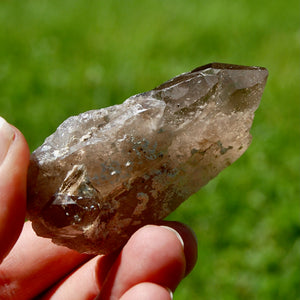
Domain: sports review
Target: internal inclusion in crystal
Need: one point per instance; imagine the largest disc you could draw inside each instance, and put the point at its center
(65, 210)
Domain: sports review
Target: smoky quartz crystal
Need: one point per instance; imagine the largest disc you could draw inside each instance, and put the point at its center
(107, 172)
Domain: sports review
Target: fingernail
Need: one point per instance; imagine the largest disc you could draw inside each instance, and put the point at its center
(7, 135)
(170, 292)
(176, 233)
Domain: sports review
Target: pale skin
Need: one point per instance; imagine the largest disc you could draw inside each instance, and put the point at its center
(151, 264)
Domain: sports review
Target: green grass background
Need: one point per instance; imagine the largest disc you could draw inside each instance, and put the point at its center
(61, 57)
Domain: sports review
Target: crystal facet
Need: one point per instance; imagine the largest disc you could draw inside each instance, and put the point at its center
(105, 173)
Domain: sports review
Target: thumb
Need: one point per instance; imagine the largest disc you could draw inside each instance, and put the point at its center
(14, 158)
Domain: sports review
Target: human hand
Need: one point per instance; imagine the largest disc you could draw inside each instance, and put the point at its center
(151, 264)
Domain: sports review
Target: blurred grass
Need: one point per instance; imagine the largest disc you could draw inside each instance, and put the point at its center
(59, 58)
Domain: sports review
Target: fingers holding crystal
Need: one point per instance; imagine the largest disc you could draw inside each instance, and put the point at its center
(161, 256)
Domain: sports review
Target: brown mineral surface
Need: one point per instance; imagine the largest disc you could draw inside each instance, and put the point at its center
(105, 173)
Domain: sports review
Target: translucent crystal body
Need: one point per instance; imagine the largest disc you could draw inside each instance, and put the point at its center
(105, 173)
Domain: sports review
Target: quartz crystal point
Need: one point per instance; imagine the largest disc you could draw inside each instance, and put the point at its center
(105, 173)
